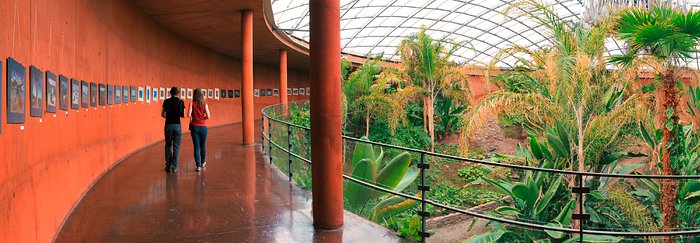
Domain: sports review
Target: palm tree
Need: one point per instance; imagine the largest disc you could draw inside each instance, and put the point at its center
(662, 36)
(567, 87)
(425, 63)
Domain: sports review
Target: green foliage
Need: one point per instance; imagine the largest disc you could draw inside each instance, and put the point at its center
(471, 173)
(449, 114)
(405, 136)
(405, 226)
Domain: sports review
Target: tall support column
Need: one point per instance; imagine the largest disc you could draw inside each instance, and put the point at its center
(247, 77)
(326, 124)
(283, 77)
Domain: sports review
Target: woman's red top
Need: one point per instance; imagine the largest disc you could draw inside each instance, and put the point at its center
(198, 115)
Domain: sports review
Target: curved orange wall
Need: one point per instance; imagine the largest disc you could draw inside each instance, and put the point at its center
(47, 167)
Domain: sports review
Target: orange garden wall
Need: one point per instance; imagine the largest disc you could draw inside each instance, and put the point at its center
(46, 167)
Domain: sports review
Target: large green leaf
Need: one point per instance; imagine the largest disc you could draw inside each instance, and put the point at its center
(362, 151)
(390, 208)
(594, 239)
(507, 211)
(553, 233)
(691, 192)
(547, 197)
(391, 175)
(358, 195)
(488, 237)
(410, 176)
(564, 216)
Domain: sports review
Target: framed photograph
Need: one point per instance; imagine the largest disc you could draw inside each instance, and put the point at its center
(125, 94)
(141, 93)
(36, 98)
(110, 94)
(63, 92)
(51, 89)
(16, 92)
(133, 94)
(223, 94)
(94, 93)
(183, 93)
(256, 92)
(51, 92)
(190, 93)
(302, 91)
(156, 94)
(75, 94)
(103, 94)
(269, 92)
(204, 93)
(295, 91)
(162, 93)
(118, 94)
(308, 91)
(211, 93)
(230, 93)
(85, 94)
(216, 94)
(237, 93)
(276, 92)
(148, 94)
(289, 91)
(263, 93)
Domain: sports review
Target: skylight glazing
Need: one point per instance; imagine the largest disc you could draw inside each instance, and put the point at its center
(372, 27)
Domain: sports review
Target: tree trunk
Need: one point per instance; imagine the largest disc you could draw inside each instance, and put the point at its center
(581, 162)
(668, 187)
(431, 123)
(367, 124)
(425, 114)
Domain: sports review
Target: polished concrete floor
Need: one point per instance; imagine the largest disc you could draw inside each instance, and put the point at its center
(239, 197)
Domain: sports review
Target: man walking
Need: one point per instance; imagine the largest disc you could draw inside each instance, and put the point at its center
(173, 110)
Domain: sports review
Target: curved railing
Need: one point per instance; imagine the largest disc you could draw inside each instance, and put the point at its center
(278, 131)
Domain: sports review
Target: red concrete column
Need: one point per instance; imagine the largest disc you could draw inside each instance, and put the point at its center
(326, 140)
(247, 77)
(283, 77)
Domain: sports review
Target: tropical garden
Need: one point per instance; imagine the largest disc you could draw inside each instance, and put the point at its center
(567, 106)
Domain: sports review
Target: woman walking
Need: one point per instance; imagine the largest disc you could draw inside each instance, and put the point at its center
(199, 113)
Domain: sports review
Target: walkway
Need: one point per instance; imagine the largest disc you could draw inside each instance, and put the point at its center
(239, 197)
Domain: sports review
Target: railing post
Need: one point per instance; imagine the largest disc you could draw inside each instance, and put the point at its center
(262, 132)
(424, 190)
(582, 217)
(289, 149)
(269, 135)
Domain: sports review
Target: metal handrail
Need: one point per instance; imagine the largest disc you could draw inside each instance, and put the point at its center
(482, 215)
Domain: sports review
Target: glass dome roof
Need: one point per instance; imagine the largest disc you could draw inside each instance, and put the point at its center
(371, 27)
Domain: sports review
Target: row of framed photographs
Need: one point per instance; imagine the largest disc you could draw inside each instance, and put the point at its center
(275, 92)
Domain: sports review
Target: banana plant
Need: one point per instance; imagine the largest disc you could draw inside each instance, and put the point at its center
(396, 174)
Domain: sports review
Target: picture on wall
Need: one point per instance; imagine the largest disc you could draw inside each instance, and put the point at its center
(223, 94)
(295, 91)
(155, 94)
(276, 92)
(118, 94)
(263, 93)
(216, 94)
(133, 94)
(125, 94)
(190, 93)
(103, 94)
(85, 95)
(256, 92)
(269, 92)
(289, 91)
(237, 93)
(230, 93)
(16, 91)
(110, 94)
(94, 92)
(36, 96)
(75, 94)
(148, 94)
(302, 91)
(162, 93)
(51, 89)
(183, 93)
(63, 92)
(308, 91)
(140, 93)
(211, 93)
(204, 93)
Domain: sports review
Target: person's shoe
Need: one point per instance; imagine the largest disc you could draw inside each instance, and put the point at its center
(174, 170)
(199, 168)
(204, 164)
(167, 169)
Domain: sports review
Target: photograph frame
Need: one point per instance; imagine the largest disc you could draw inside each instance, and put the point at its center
(308, 91)
(63, 92)
(295, 91)
(147, 94)
(269, 92)
(230, 93)
(110, 94)
(276, 92)
(94, 94)
(117, 94)
(162, 93)
(237, 93)
(36, 92)
(223, 94)
(74, 94)
(216, 93)
(289, 91)
(140, 93)
(102, 99)
(125, 94)
(156, 94)
(133, 95)
(256, 92)
(302, 91)
(51, 92)
(210, 93)
(84, 94)
(190, 93)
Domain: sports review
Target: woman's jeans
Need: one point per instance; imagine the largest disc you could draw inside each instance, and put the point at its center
(173, 134)
(199, 139)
